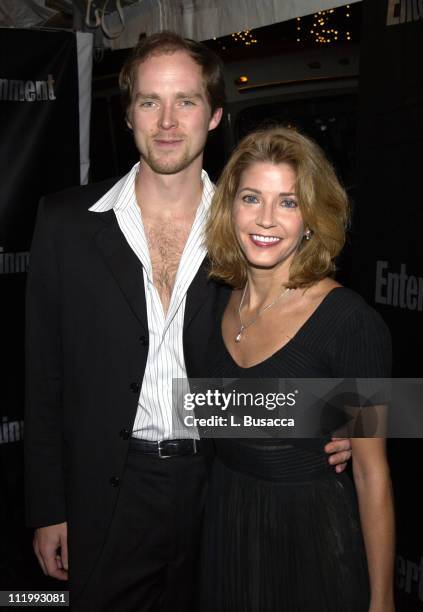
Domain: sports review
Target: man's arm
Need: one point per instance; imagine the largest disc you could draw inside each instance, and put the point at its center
(339, 451)
(44, 469)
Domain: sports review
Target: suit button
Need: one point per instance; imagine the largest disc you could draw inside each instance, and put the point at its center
(115, 481)
(135, 387)
(124, 433)
(143, 340)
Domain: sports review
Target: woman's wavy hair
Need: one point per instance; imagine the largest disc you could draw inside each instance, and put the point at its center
(322, 201)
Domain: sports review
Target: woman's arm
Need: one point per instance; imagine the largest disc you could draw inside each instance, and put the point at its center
(374, 490)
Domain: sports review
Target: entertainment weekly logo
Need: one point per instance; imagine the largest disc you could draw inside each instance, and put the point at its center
(409, 577)
(13, 263)
(16, 90)
(398, 289)
(11, 431)
(403, 11)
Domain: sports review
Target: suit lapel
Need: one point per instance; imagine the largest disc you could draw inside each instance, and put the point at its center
(123, 264)
(198, 292)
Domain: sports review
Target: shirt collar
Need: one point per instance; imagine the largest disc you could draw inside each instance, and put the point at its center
(122, 194)
(119, 196)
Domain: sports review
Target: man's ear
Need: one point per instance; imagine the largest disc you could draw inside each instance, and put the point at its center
(215, 118)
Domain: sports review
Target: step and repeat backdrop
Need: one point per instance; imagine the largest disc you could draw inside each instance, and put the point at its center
(388, 247)
(43, 88)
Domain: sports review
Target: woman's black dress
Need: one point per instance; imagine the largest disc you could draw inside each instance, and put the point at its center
(281, 529)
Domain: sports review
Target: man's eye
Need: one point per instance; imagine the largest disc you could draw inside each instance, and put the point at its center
(187, 103)
(289, 203)
(147, 104)
(250, 199)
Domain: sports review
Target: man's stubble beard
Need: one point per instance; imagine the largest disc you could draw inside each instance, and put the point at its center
(161, 165)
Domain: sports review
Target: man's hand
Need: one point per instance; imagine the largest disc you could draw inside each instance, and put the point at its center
(51, 548)
(340, 452)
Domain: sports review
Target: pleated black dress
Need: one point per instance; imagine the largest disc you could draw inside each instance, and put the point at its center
(281, 528)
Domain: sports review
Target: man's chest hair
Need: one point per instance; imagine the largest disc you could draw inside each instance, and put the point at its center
(166, 242)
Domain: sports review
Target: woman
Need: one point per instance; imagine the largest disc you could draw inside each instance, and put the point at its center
(282, 531)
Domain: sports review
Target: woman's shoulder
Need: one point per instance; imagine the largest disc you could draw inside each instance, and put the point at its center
(337, 297)
(346, 311)
(350, 314)
(361, 343)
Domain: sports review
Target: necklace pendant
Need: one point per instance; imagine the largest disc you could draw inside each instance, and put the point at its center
(261, 311)
(238, 337)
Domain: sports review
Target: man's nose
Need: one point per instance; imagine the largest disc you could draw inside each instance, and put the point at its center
(167, 117)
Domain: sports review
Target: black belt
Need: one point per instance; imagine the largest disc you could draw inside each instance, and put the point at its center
(166, 448)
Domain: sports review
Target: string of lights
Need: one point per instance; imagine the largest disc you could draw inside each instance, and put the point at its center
(325, 28)
(338, 25)
(245, 36)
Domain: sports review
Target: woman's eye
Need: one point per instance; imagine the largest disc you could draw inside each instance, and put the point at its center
(289, 203)
(250, 199)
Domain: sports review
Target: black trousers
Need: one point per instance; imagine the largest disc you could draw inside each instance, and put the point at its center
(150, 559)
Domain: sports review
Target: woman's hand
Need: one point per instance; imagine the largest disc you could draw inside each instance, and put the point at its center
(339, 450)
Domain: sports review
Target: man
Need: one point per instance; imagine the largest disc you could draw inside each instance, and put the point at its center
(119, 304)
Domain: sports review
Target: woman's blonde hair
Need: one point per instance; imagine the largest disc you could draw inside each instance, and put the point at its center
(322, 201)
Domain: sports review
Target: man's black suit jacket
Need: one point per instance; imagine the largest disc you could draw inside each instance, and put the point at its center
(87, 345)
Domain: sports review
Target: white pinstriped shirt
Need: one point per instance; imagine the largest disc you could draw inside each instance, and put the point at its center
(154, 419)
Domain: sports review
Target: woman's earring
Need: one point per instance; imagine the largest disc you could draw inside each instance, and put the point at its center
(307, 235)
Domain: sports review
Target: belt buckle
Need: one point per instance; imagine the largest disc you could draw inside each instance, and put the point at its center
(161, 455)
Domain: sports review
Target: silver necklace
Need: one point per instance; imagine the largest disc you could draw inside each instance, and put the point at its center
(261, 311)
